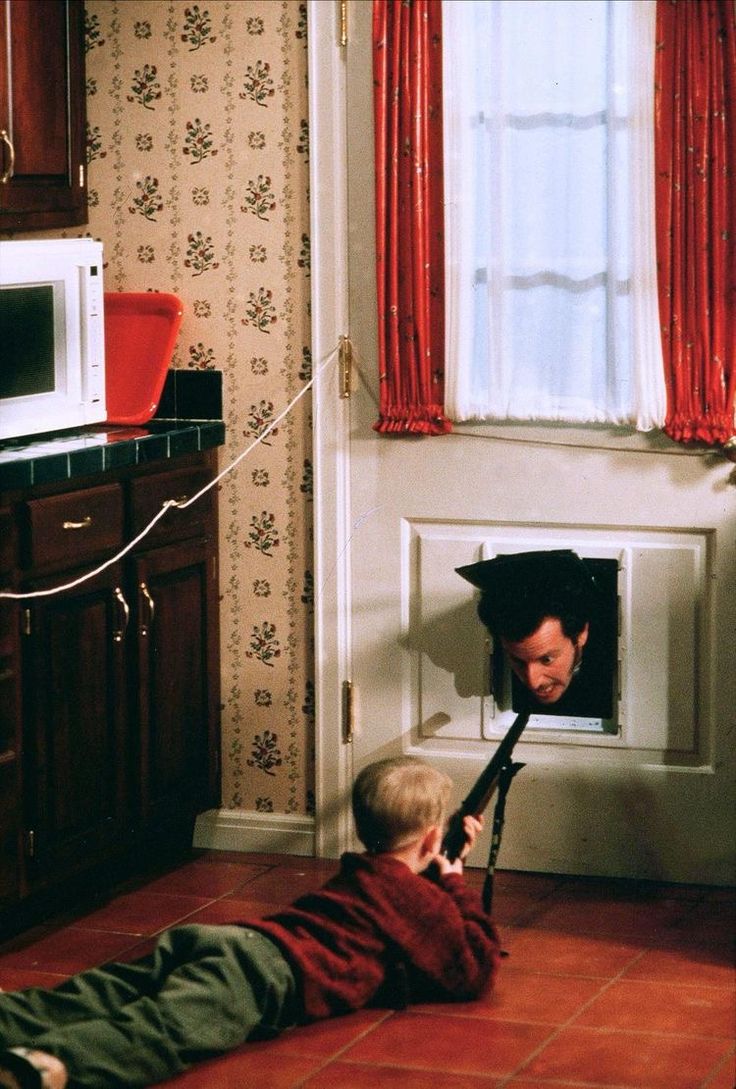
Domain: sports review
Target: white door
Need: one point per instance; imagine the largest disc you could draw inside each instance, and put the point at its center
(648, 792)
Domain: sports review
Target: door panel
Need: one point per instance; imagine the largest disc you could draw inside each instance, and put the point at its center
(647, 792)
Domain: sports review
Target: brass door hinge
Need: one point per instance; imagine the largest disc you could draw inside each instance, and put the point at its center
(345, 362)
(26, 627)
(347, 712)
(343, 23)
(30, 844)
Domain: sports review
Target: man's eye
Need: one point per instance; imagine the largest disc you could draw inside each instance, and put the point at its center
(546, 659)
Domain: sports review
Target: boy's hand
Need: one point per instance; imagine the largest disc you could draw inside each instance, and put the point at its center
(472, 826)
(444, 865)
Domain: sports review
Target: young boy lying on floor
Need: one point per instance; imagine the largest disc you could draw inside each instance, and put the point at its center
(396, 923)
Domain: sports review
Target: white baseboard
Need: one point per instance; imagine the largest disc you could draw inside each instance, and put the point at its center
(244, 830)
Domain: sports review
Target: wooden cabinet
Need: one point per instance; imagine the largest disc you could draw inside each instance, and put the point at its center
(10, 742)
(174, 645)
(75, 727)
(118, 713)
(42, 114)
(175, 658)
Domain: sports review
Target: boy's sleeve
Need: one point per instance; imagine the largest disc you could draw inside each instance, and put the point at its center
(481, 934)
(459, 952)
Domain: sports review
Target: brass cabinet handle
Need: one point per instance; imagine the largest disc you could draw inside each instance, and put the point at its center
(145, 627)
(119, 634)
(8, 174)
(84, 524)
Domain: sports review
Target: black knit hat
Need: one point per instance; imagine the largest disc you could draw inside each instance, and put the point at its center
(521, 570)
(519, 589)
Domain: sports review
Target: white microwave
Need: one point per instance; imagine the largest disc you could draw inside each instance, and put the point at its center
(52, 335)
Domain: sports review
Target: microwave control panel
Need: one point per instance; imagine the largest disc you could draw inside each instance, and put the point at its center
(95, 334)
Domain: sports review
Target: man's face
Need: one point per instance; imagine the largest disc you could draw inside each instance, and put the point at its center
(546, 659)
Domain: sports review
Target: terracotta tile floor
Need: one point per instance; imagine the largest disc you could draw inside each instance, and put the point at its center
(613, 984)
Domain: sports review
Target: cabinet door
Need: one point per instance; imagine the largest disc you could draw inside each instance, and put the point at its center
(178, 683)
(10, 868)
(42, 114)
(76, 774)
(10, 857)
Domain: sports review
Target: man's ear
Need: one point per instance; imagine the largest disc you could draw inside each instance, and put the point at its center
(582, 638)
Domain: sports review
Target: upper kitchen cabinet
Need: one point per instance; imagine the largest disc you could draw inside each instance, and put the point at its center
(43, 181)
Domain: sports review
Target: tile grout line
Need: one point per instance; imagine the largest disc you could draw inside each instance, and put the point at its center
(710, 1078)
(560, 1028)
(341, 1050)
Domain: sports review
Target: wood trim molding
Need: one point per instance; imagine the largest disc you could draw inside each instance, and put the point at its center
(331, 414)
(239, 830)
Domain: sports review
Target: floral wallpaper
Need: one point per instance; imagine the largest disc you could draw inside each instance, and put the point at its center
(198, 175)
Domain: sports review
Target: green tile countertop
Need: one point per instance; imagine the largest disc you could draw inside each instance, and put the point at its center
(48, 459)
(188, 420)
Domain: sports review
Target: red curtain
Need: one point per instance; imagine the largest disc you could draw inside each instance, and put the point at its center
(407, 69)
(695, 150)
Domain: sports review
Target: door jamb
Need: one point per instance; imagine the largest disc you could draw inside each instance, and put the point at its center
(331, 420)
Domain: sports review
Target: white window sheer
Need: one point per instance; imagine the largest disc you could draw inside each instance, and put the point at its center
(551, 290)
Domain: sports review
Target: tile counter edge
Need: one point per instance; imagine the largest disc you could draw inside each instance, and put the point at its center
(63, 457)
(188, 420)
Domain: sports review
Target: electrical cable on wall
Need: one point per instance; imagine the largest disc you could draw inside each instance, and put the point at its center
(179, 504)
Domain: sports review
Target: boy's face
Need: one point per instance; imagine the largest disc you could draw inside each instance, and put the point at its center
(545, 661)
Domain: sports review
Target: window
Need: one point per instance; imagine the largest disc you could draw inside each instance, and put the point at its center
(551, 290)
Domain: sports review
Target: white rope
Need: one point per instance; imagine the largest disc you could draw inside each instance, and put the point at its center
(180, 504)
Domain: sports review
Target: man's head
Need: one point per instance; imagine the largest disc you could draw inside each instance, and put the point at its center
(538, 605)
(397, 800)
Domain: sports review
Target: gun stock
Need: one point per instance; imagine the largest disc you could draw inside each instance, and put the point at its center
(483, 789)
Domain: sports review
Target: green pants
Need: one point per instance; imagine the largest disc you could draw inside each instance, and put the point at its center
(202, 991)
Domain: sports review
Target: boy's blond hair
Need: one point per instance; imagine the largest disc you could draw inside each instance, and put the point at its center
(396, 799)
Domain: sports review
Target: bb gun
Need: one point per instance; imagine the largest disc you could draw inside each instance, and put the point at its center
(497, 775)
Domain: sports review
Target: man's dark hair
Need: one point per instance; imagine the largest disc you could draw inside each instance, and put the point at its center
(520, 590)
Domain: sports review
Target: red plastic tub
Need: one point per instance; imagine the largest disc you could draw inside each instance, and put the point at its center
(141, 328)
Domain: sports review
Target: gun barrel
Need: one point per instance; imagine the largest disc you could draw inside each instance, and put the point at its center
(483, 789)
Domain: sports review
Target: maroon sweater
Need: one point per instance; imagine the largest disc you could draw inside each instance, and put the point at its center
(376, 922)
